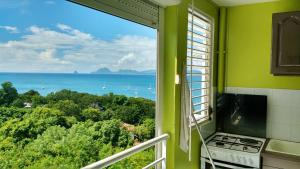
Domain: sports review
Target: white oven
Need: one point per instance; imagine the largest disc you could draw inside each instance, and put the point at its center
(231, 151)
(205, 164)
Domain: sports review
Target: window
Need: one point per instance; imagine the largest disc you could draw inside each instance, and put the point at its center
(73, 88)
(199, 62)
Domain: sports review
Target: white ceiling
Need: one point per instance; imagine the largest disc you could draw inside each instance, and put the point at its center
(239, 2)
(165, 3)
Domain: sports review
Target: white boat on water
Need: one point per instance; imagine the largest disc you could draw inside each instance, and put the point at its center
(149, 88)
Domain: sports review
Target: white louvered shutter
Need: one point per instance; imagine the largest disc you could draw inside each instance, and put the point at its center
(199, 63)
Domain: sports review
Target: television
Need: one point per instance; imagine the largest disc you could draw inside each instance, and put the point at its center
(242, 114)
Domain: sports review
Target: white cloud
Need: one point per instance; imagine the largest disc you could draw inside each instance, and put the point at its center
(10, 29)
(63, 27)
(67, 49)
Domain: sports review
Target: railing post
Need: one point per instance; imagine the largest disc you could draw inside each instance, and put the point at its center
(164, 154)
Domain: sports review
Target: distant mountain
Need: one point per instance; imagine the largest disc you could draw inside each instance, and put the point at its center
(102, 71)
(149, 72)
(124, 71)
(75, 72)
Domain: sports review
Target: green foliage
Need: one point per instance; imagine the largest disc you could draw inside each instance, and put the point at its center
(68, 130)
(146, 130)
(38, 100)
(7, 94)
(91, 114)
(31, 124)
(110, 131)
(127, 114)
(29, 95)
(136, 161)
(18, 103)
(67, 106)
(7, 113)
(106, 115)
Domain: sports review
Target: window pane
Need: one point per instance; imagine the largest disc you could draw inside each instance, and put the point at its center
(199, 51)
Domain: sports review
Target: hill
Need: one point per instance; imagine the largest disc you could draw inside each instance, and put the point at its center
(124, 71)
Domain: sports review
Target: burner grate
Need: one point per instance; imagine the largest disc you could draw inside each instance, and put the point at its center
(248, 141)
(236, 143)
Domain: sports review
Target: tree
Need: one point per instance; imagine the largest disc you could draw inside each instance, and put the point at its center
(31, 124)
(110, 132)
(18, 103)
(7, 113)
(68, 107)
(67, 129)
(125, 139)
(7, 94)
(28, 96)
(38, 101)
(146, 130)
(128, 114)
(91, 113)
(120, 100)
(106, 115)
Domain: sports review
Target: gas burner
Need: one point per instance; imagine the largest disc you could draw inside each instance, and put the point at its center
(225, 138)
(248, 141)
(235, 142)
(244, 148)
(219, 144)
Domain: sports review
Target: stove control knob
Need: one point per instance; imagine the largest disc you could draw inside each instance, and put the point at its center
(213, 154)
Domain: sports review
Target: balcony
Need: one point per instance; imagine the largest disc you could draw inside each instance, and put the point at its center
(162, 140)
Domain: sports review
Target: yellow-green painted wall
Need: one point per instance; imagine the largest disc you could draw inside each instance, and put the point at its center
(247, 61)
(249, 46)
(174, 55)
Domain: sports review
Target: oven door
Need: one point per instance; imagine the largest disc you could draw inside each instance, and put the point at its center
(205, 164)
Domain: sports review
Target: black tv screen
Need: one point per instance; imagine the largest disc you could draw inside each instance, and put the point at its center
(242, 114)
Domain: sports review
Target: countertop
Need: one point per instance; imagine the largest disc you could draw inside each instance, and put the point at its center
(288, 157)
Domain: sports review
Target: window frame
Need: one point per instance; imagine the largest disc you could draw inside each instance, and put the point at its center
(205, 118)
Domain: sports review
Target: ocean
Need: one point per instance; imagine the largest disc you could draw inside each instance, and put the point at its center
(99, 84)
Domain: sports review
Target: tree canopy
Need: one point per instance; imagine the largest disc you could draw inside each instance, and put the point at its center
(68, 129)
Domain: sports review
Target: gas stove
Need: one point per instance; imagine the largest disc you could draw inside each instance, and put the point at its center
(233, 150)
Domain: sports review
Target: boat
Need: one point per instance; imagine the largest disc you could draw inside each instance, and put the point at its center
(149, 88)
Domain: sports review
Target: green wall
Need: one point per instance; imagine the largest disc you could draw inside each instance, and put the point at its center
(174, 55)
(247, 61)
(249, 46)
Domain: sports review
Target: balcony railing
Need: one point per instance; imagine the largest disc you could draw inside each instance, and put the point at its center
(133, 150)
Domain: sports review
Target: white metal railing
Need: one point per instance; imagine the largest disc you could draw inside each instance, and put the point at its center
(133, 150)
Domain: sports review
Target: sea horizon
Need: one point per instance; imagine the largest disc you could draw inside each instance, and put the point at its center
(113, 73)
(131, 85)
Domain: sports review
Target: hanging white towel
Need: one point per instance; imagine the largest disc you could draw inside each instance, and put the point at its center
(185, 113)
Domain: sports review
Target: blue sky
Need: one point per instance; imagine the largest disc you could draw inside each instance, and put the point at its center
(60, 36)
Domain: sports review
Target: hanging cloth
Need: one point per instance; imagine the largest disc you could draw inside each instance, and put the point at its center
(185, 113)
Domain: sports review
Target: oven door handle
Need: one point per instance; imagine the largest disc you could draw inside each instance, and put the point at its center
(227, 165)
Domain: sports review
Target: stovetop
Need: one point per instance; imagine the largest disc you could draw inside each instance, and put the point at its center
(238, 143)
(235, 149)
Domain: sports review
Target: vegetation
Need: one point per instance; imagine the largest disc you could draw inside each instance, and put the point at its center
(67, 129)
